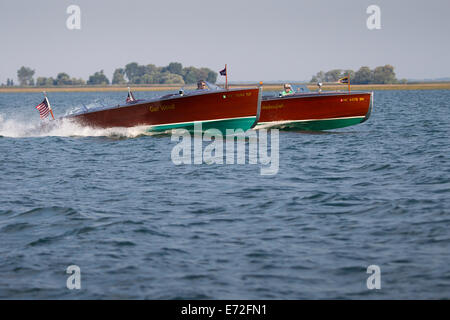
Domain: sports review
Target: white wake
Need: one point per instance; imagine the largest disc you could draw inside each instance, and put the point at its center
(15, 128)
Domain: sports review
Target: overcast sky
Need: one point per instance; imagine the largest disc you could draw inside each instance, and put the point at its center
(258, 39)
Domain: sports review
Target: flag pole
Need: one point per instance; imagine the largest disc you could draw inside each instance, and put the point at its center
(349, 82)
(49, 106)
(226, 77)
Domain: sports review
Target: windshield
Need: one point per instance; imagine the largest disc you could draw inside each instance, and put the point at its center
(212, 86)
(193, 87)
(299, 88)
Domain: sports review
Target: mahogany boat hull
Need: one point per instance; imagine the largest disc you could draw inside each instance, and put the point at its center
(227, 109)
(316, 111)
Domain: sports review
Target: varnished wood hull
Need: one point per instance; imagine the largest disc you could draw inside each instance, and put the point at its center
(316, 111)
(228, 109)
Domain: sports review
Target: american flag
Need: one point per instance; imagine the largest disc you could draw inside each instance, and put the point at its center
(43, 109)
(130, 97)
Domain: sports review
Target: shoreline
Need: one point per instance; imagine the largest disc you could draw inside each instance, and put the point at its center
(268, 87)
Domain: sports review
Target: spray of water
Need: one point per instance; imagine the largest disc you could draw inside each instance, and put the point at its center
(14, 128)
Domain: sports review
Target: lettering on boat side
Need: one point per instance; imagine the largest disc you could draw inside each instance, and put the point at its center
(273, 106)
(352, 99)
(74, 280)
(73, 22)
(246, 94)
(213, 153)
(162, 108)
(374, 20)
(374, 281)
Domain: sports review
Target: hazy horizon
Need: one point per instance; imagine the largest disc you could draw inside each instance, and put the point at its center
(259, 40)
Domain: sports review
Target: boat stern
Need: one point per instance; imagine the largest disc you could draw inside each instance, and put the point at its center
(369, 112)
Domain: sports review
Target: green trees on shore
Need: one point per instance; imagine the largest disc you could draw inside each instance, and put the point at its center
(98, 78)
(25, 76)
(62, 79)
(118, 76)
(174, 73)
(132, 73)
(379, 75)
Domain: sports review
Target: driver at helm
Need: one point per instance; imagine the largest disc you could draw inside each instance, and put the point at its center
(201, 85)
(287, 90)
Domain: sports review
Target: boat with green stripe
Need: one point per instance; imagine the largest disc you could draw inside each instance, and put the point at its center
(213, 107)
(315, 111)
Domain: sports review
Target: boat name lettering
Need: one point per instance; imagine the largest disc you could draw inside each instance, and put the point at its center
(273, 106)
(162, 108)
(352, 99)
(246, 94)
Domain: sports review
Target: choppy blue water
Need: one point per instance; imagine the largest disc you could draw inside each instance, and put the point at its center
(113, 203)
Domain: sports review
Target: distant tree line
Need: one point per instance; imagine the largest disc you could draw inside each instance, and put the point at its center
(132, 73)
(174, 73)
(379, 75)
(62, 79)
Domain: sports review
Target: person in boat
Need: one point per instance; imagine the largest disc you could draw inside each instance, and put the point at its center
(287, 90)
(201, 85)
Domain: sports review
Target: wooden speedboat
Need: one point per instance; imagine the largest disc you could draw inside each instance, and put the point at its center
(214, 107)
(315, 110)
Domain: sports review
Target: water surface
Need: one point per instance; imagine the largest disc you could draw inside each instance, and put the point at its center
(113, 203)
